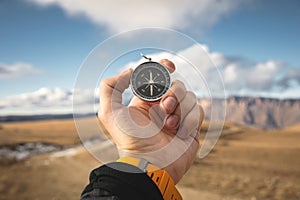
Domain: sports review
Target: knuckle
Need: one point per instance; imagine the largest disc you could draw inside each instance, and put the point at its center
(178, 89)
(107, 82)
(194, 116)
(185, 106)
(188, 102)
(191, 96)
(179, 84)
(103, 83)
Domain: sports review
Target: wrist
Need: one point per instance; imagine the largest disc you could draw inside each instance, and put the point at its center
(160, 177)
(158, 161)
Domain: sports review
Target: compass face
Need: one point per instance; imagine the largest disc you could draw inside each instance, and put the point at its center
(150, 81)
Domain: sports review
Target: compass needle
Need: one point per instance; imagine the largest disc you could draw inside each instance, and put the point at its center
(150, 75)
(151, 90)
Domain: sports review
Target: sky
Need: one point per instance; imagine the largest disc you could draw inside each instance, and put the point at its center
(43, 43)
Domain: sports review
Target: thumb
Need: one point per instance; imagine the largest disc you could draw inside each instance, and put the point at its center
(111, 90)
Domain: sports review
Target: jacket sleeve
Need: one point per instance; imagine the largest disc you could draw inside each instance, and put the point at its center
(120, 181)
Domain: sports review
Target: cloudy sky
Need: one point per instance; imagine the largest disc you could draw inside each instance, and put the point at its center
(44, 42)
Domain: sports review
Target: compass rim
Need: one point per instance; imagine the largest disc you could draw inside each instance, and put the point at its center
(167, 85)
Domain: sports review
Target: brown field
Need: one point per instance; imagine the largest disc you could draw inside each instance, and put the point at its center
(245, 164)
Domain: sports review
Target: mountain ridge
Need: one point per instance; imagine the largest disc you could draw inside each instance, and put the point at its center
(259, 112)
(40, 117)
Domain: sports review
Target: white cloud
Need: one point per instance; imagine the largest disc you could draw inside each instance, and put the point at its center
(49, 101)
(240, 76)
(262, 75)
(43, 97)
(41, 101)
(125, 15)
(230, 74)
(17, 70)
(193, 66)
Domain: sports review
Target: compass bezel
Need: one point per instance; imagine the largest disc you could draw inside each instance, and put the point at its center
(144, 66)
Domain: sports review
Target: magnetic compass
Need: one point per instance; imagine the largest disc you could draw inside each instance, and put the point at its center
(150, 80)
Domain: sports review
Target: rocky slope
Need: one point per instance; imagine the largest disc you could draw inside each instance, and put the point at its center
(265, 113)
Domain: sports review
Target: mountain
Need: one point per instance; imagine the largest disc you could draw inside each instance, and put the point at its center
(20, 118)
(263, 113)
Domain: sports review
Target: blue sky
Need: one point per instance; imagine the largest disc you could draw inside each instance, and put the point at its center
(44, 42)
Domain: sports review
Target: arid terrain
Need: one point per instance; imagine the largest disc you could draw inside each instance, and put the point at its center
(245, 164)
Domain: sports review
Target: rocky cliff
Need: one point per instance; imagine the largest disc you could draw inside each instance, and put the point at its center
(265, 113)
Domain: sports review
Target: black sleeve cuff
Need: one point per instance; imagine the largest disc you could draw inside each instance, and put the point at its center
(120, 181)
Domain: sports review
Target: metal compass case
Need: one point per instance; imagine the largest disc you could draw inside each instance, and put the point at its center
(150, 80)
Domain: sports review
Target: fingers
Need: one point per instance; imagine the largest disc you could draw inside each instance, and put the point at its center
(111, 90)
(191, 122)
(186, 105)
(172, 122)
(182, 109)
(174, 95)
(168, 64)
(168, 103)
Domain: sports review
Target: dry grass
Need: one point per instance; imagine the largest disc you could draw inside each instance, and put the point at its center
(52, 131)
(61, 132)
(250, 165)
(245, 164)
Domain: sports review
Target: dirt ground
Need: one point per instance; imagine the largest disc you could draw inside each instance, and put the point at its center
(245, 164)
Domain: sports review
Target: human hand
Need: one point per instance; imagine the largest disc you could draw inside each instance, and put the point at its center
(164, 133)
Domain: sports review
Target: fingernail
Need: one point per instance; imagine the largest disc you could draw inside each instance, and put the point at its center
(172, 121)
(169, 103)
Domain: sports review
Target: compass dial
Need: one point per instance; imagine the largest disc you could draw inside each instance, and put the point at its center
(150, 81)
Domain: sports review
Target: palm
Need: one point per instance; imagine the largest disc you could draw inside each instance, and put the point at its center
(132, 140)
(141, 127)
(144, 130)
